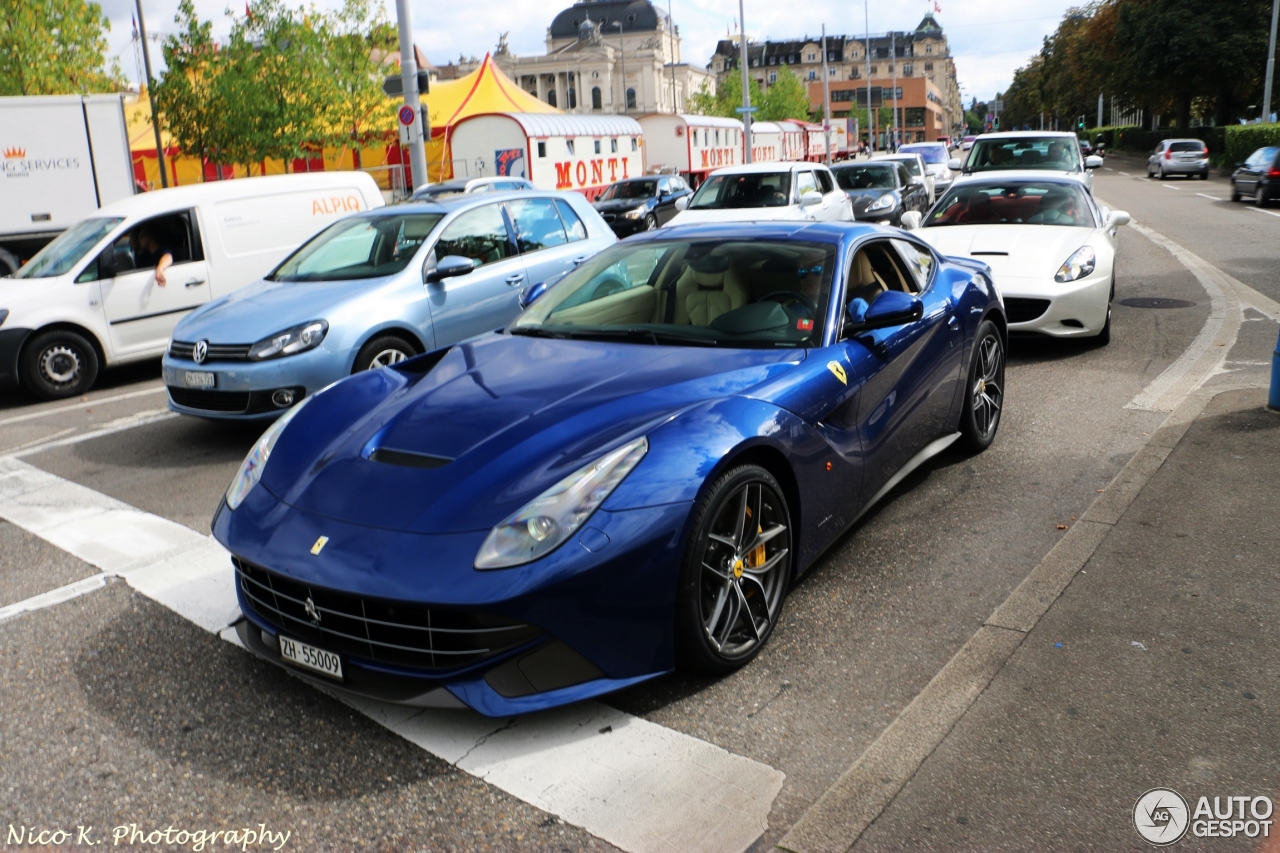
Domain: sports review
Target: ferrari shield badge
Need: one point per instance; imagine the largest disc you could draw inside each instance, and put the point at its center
(838, 372)
(319, 546)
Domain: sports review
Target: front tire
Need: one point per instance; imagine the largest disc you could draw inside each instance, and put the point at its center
(984, 390)
(383, 351)
(58, 364)
(1235, 193)
(650, 222)
(1104, 337)
(737, 567)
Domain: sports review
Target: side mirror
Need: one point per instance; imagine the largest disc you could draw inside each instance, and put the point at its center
(890, 308)
(1116, 218)
(532, 292)
(917, 181)
(682, 202)
(809, 198)
(450, 266)
(1093, 161)
(911, 220)
(954, 164)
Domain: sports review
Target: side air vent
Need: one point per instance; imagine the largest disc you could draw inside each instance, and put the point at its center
(408, 460)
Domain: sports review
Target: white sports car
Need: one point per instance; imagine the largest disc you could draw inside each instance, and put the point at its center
(1050, 246)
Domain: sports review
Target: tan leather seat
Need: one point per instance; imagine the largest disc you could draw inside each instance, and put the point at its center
(706, 289)
(864, 282)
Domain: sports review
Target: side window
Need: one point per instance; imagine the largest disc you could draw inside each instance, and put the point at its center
(825, 181)
(919, 262)
(537, 224)
(143, 245)
(572, 224)
(479, 234)
(805, 183)
(664, 186)
(904, 177)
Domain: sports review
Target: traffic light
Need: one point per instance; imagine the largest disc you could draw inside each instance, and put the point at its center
(1080, 124)
(995, 122)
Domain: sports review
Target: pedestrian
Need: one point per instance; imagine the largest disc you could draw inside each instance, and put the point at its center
(150, 249)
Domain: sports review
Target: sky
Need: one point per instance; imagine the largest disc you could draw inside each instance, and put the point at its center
(989, 38)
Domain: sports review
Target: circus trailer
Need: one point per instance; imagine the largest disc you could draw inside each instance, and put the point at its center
(555, 151)
(690, 145)
(766, 141)
(794, 140)
(816, 142)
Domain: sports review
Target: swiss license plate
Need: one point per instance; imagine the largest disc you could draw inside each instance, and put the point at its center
(309, 657)
(199, 379)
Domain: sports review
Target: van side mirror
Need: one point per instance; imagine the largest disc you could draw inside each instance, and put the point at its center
(450, 266)
(809, 198)
(954, 164)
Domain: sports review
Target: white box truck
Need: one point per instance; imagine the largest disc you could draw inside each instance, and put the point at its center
(64, 156)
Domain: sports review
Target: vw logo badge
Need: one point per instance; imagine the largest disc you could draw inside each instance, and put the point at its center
(200, 351)
(310, 607)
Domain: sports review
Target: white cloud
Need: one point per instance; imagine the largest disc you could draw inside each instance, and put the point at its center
(989, 38)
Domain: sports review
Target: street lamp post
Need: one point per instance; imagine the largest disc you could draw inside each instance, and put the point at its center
(671, 39)
(1271, 62)
(826, 96)
(746, 87)
(409, 78)
(622, 54)
(871, 123)
(151, 92)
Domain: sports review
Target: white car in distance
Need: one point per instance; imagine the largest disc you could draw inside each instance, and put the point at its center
(767, 191)
(1050, 246)
(1035, 152)
(916, 168)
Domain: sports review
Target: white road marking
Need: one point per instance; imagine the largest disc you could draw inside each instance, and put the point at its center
(41, 440)
(118, 425)
(1260, 210)
(638, 785)
(1206, 195)
(1126, 174)
(55, 596)
(1171, 187)
(100, 401)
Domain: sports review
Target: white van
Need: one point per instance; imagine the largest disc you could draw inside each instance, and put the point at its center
(91, 297)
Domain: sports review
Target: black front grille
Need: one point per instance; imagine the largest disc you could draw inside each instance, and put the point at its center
(217, 352)
(385, 632)
(1024, 310)
(608, 217)
(210, 401)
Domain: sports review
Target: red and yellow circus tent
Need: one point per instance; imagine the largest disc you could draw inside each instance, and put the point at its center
(485, 90)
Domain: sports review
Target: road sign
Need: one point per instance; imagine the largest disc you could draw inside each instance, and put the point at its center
(394, 86)
(746, 109)
(406, 115)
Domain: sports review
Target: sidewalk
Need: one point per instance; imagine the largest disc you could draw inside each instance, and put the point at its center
(1159, 666)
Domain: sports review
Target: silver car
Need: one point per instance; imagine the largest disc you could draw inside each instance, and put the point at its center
(935, 156)
(1179, 157)
(462, 186)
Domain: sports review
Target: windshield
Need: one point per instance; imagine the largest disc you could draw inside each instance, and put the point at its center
(865, 177)
(1014, 202)
(1051, 153)
(630, 189)
(934, 155)
(756, 293)
(912, 164)
(68, 248)
(753, 189)
(362, 247)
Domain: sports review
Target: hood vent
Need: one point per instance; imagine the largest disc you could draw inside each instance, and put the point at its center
(408, 460)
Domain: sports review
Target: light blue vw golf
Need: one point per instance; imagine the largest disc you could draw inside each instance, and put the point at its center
(372, 290)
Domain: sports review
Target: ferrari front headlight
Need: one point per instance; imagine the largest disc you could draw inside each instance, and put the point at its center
(1079, 265)
(251, 468)
(543, 524)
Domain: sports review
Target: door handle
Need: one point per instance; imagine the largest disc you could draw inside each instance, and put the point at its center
(195, 282)
(516, 278)
(580, 259)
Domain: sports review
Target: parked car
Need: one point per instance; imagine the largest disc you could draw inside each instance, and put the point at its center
(967, 142)
(462, 186)
(628, 478)
(936, 156)
(1259, 176)
(766, 191)
(916, 169)
(373, 290)
(1028, 151)
(1051, 248)
(1085, 148)
(881, 190)
(1188, 157)
(91, 298)
(642, 204)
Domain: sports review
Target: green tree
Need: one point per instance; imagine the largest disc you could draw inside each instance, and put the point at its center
(786, 98)
(727, 99)
(356, 106)
(55, 47)
(192, 97)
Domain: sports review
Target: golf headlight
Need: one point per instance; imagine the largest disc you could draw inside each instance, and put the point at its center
(1079, 265)
(885, 202)
(251, 468)
(297, 339)
(544, 523)
(635, 213)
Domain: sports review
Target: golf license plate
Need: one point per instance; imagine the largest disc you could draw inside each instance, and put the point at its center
(309, 657)
(199, 379)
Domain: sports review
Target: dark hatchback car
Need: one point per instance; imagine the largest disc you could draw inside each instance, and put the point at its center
(1259, 176)
(881, 191)
(642, 204)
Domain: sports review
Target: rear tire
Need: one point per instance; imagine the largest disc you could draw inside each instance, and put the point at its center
(383, 351)
(1259, 197)
(1162, 175)
(58, 364)
(984, 390)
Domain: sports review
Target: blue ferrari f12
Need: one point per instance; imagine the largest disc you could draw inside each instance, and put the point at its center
(626, 479)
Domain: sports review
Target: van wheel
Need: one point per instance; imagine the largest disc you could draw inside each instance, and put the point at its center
(383, 351)
(57, 364)
(8, 264)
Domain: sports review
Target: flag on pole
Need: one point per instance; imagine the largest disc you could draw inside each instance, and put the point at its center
(133, 20)
(936, 7)
(248, 14)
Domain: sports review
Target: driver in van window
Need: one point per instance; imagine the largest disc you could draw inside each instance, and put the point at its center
(149, 249)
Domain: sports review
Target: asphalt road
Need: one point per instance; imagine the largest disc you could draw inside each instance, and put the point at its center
(114, 710)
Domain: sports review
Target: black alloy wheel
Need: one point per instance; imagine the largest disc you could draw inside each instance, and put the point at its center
(737, 568)
(57, 364)
(650, 222)
(984, 389)
(383, 351)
